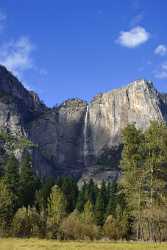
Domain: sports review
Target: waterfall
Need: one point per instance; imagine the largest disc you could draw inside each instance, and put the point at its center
(85, 130)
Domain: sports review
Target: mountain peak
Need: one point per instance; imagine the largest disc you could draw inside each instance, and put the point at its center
(141, 82)
(10, 85)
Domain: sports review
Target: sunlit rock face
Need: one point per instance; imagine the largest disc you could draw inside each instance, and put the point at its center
(110, 112)
(77, 138)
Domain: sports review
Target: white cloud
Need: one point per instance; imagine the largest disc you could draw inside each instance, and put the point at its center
(16, 55)
(161, 50)
(133, 37)
(162, 71)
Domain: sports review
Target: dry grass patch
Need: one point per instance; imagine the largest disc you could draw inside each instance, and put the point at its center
(36, 244)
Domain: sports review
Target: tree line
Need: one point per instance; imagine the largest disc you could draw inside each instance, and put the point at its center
(134, 207)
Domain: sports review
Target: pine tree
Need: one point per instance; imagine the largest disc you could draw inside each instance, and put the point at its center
(29, 183)
(112, 198)
(70, 190)
(104, 192)
(100, 208)
(91, 192)
(42, 195)
(81, 198)
(11, 179)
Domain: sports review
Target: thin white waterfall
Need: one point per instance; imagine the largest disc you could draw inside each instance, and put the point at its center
(85, 130)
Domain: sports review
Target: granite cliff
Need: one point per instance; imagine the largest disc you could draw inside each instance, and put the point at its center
(78, 138)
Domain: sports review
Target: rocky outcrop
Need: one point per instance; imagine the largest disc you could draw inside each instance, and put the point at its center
(61, 138)
(110, 112)
(18, 106)
(78, 138)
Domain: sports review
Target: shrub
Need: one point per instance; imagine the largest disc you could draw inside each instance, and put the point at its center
(116, 228)
(74, 228)
(27, 222)
(6, 210)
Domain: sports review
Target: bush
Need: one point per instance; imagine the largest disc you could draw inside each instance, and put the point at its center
(52, 229)
(116, 228)
(27, 222)
(74, 228)
(6, 210)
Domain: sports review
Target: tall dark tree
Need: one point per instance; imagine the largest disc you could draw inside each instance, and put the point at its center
(112, 193)
(29, 183)
(81, 198)
(91, 192)
(100, 208)
(103, 190)
(70, 190)
(42, 195)
(11, 179)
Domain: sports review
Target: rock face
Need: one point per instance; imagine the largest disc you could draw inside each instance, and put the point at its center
(110, 112)
(18, 106)
(77, 138)
(61, 139)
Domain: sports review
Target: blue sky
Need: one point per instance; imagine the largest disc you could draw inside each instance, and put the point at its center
(78, 48)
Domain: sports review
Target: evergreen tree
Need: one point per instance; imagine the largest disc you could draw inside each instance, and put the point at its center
(88, 192)
(104, 193)
(29, 183)
(100, 208)
(112, 198)
(11, 179)
(42, 195)
(91, 192)
(81, 198)
(70, 190)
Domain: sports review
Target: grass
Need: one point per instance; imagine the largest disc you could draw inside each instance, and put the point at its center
(35, 244)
